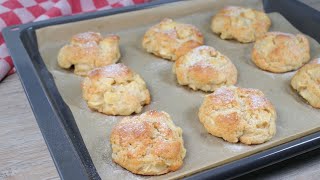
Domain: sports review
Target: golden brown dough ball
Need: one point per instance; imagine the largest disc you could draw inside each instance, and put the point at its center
(115, 90)
(205, 68)
(307, 82)
(89, 50)
(170, 39)
(281, 52)
(148, 144)
(242, 24)
(239, 115)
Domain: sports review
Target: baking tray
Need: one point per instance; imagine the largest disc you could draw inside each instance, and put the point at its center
(60, 130)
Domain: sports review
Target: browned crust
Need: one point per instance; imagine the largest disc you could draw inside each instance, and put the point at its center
(115, 90)
(281, 52)
(307, 82)
(149, 144)
(205, 68)
(238, 115)
(89, 50)
(115, 71)
(170, 40)
(242, 24)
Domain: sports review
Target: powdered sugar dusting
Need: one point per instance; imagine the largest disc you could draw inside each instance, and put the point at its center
(257, 101)
(195, 55)
(113, 70)
(171, 32)
(88, 36)
(235, 10)
(204, 64)
(224, 95)
(178, 31)
(235, 147)
(90, 44)
(201, 55)
(133, 128)
(204, 47)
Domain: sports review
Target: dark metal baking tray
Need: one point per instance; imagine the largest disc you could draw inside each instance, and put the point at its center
(58, 126)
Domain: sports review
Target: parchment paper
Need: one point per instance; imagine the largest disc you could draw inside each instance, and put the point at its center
(295, 117)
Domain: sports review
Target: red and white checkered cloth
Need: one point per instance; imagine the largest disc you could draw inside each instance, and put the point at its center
(14, 12)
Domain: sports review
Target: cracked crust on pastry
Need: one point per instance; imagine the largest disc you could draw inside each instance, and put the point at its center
(242, 24)
(170, 40)
(115, 90)
(89, 50)
(238, 115)
(281, 52)
(205, 68)
(307, 82)
(148, 144)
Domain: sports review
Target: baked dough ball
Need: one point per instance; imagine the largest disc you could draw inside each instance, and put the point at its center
(115, 90)
(205, 68)
(149, 144)
(238, 114)
(89, 50)
(307, 82)
(281, 52)
(242, 24)
(170, 39)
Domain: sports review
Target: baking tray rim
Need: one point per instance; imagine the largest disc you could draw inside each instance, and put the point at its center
(34, 75)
